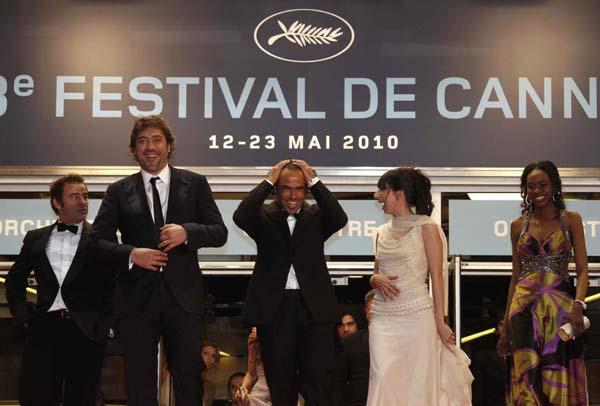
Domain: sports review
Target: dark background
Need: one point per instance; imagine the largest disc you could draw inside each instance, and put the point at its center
(427, 40)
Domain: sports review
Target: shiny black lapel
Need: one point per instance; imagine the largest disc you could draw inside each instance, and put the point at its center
(301, 221)
(80, 254)
(279, 217)
(138, 201)
(40, 247)
(180, 190)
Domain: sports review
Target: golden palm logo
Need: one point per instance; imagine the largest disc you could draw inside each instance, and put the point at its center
(303, 35)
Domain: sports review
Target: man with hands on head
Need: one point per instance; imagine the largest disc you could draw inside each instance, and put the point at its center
(290, 297)
(165, 215)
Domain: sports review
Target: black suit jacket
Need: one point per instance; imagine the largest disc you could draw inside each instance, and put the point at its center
(277, 250)
(86, 290)
(125, 208)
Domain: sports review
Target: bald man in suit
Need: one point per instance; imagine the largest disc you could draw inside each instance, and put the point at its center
(290, 299)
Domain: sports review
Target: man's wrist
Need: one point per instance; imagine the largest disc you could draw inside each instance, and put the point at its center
(130, 265)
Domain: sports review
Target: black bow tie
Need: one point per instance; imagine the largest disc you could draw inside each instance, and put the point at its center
(296, 215)
(71, 227)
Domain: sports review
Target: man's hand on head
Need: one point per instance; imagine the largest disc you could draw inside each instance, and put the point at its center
(275, 171)
(308, 172)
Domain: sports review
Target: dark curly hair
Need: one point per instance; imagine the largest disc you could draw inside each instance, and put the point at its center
(552, 172)
(143, 123)
(415, 185)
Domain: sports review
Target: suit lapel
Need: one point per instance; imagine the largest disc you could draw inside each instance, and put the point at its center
(41, 247)
(79, 258)
(179, 193)
(138, 201)
(300, 222)
(279, 217)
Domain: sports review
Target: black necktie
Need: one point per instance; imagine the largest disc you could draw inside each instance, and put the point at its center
(62, 227)
(159, 220)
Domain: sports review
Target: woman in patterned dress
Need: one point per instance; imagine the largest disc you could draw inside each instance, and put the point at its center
(544, 370)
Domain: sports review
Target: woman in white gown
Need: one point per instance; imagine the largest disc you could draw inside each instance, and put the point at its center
(413, 358)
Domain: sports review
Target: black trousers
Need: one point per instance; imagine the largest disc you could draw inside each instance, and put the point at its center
(181, 333)
(57, 353)
(297, 353)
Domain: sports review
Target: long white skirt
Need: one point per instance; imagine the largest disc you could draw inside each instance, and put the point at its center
(410, 365)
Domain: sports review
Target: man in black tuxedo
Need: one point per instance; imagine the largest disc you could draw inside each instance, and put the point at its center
(165, 215)
(290, 298)
(67, 327)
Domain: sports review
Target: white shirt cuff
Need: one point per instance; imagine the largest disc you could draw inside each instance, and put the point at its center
(313, 182)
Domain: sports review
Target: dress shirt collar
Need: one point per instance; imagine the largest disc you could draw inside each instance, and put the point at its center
(164, 176)
(291, 214)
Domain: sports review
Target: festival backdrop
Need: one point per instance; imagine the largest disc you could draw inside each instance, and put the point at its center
(478, 83)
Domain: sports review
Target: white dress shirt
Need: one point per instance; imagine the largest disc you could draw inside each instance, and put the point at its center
(60, 250)
(292, 280)
(162, 185)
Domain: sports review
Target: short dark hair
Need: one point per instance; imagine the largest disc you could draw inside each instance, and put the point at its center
(58, 185)
(239, 373)
(291, 167)
(143, 123)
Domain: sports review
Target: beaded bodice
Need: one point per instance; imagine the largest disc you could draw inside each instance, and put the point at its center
(551, 255)
(400, 251)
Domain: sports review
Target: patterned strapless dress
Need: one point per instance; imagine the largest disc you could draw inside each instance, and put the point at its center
(544, 370)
